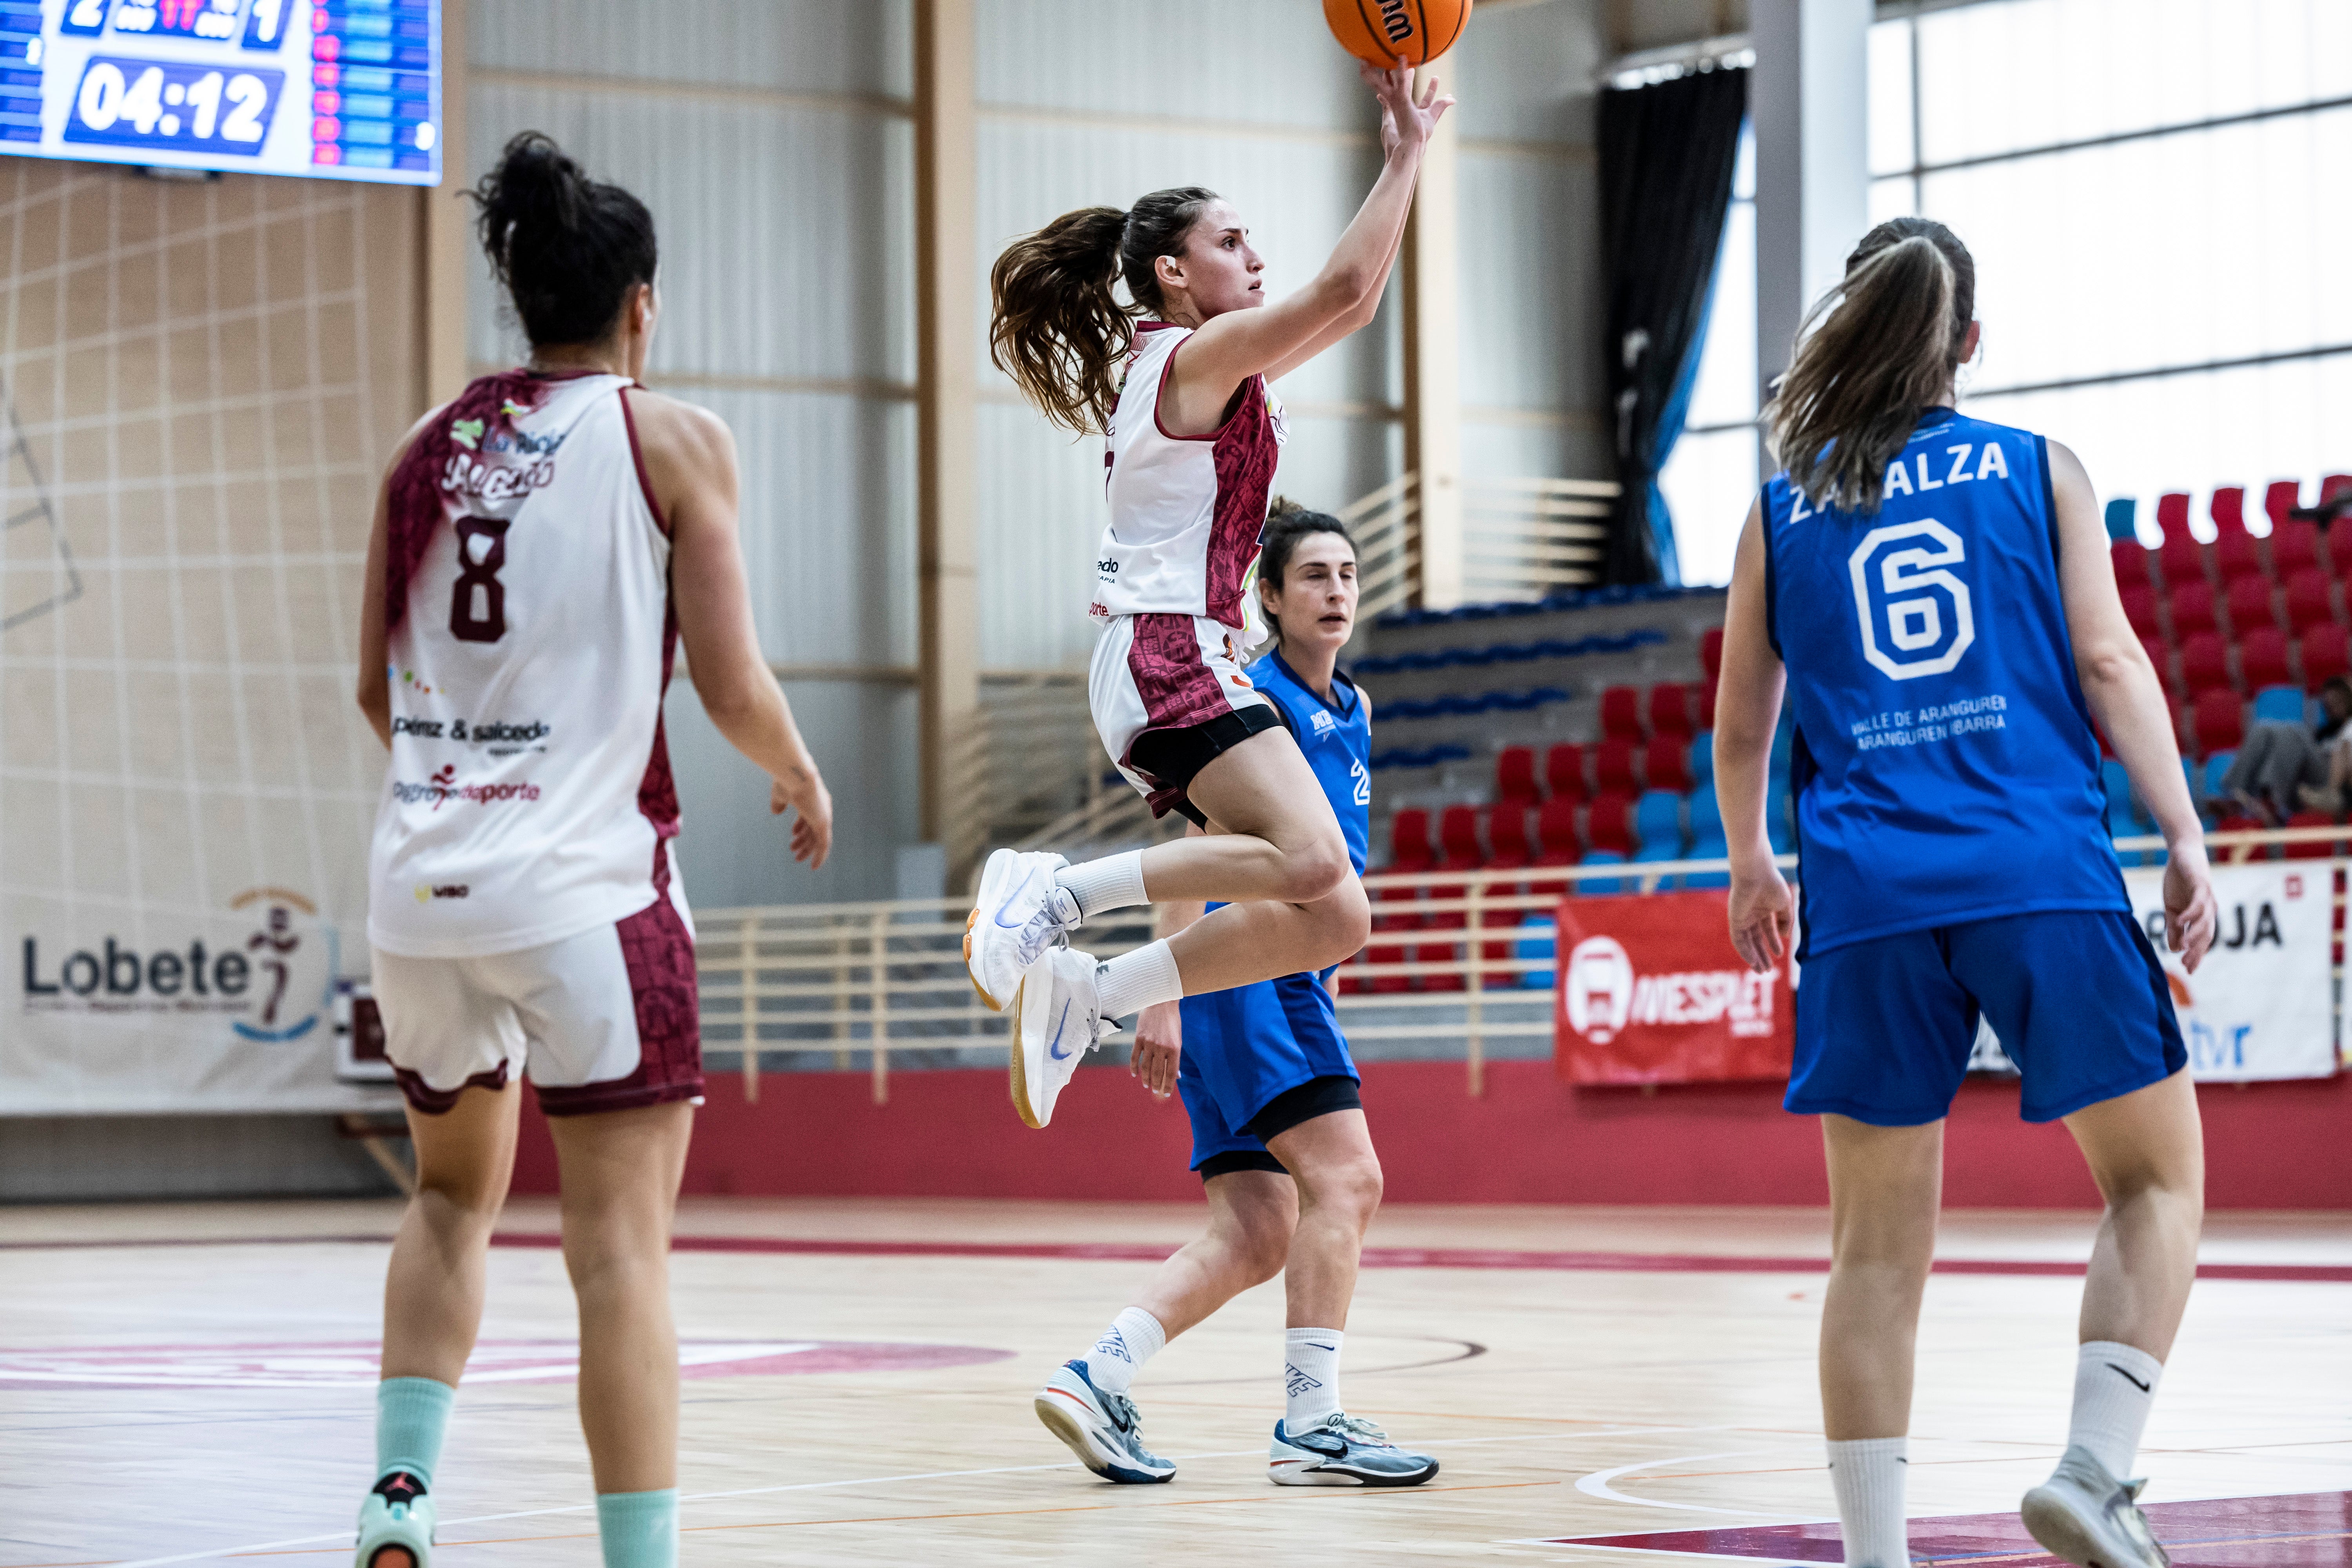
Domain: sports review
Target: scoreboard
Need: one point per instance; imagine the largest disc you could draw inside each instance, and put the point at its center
(338, 88)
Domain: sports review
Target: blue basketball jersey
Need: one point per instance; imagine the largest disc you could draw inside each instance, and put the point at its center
(1337, 737)
(1944, 768)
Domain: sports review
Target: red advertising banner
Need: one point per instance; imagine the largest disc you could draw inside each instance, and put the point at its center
(1649, 990)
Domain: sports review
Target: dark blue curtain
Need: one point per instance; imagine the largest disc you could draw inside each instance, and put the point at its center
(1667, 151)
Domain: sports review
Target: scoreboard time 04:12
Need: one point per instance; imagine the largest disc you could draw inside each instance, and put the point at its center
(189, 108)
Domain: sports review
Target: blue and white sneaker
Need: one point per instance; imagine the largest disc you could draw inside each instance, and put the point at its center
(1056, 1020)
(396, 1524)
(2087, 1517)
(1343, 1451)
(1102, 1429)
(1021, 914)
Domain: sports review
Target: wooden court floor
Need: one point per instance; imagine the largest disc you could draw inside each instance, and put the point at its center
(194, 1384)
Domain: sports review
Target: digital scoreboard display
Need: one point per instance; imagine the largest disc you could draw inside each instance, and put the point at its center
(345, 90)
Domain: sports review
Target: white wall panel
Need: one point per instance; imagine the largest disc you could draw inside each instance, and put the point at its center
(797, 46)
(1527, 75)
(731, 852)
(1240, 61)
(786, 233)
(1531, 312)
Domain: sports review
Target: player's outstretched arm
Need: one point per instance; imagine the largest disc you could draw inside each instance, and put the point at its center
(1746, 712)
(2127, 700)
(690, 461)
(1342, 298)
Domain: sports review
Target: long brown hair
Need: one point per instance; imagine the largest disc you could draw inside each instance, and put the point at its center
(1059, 326)
(1872, 353)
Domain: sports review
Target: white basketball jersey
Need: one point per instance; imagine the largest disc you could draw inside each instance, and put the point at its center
(529, 798)
(1185, 511)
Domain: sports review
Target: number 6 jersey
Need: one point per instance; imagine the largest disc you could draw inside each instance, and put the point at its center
(1946, 770)
(530, 640)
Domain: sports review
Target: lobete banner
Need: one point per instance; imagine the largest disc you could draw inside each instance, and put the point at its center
(1651, 992)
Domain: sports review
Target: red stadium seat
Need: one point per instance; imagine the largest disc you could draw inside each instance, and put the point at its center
(1620, 713)
(1668, 764)
(2159, 656)
(2294, 544)
(2319, 850)
(1457, 839)
(1556, 843)
(2309, 600)
(2192, 610)
(1710, 652)
(2338, 546)
(2334, 485)
(1447, 950)
(1674, 710)
(2181, 557)
(1614, 768)
(2235, 551)
(2327, 653)
(1706, 706)
(1391, 952)
(2219, 720)
(2131, 563)
(1498, 953)
(2204, 665)
(2261, 658)
(2139, 604)
(1515, 774)
(1564, 772)
(1507, 836)
(1409, 841)
(2250, 602)
(1606, 825)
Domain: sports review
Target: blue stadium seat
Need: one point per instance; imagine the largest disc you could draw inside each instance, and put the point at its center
(2217, 768)
(1702, 758)
(1784, 741)
(1658, 823)
(1537, 935)
(2278, 705)
(1708, 840)
(2120, 520)
(2123, 820)
(1602, 884)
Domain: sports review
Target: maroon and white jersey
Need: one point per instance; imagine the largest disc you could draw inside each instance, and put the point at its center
(1185, 511)
(531, 635)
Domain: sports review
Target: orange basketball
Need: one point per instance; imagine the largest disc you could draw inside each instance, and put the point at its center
(1380, 30)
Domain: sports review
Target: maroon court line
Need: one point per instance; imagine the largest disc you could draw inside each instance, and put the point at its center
(1373, 1256)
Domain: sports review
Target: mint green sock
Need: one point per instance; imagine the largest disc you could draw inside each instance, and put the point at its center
(410, 1415)
(639, 1529)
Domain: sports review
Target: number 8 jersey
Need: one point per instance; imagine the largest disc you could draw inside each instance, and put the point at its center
(530, 635)
(1945, 766)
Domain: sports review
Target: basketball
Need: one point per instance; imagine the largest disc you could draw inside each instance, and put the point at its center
(1380, 30)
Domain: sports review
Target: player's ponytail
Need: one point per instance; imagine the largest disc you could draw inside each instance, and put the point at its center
(1872, 353)
(1059, 326)
(567, 248)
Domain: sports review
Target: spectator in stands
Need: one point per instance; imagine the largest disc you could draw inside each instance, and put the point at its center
(2281, 769)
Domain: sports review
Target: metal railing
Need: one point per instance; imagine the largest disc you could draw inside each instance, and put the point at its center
(1521, 538)
(887, 978)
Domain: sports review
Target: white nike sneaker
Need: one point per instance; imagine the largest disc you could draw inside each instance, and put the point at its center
(1056, 1019)
(2087, 1517)
(1020, 913)
(1343, 1450)
(1102, 1429)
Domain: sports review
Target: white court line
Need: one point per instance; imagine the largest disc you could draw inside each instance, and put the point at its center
(1597, 1485)
(883, 1480)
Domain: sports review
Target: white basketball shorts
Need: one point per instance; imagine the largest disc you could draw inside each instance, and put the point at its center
(1168, 694)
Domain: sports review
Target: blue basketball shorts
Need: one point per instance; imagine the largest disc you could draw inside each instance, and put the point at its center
(1245, 1047)
(2081, 1004)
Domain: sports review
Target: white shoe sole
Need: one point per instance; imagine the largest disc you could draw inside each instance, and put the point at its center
(2064, 1532)
(1021, 1102)
(1302, 1473)
(991, 887)
(1064, 1419)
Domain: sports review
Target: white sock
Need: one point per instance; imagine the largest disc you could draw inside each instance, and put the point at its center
(1311, 1376)
(1133, 1338)
(2114, 1385)
(1114, 882)
(1867, 1474)
(1134, 981)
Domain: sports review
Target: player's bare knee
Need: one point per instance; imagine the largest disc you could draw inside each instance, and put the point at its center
(1264, 1248)
(1344, 924)
(1314, 871)
(1350, 1188)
